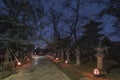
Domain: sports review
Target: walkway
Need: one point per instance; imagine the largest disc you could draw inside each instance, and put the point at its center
(39, 69)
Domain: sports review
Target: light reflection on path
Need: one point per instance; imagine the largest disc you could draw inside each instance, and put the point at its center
(37, 59)
(39, 69)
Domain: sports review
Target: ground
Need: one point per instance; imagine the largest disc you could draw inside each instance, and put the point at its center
(44, 68)
(76, 73)
(39, 69)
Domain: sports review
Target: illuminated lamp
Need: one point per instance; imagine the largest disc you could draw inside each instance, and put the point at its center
(57, 58)
(19, 63)
(28, 59)
(96, 72)
(66, 62)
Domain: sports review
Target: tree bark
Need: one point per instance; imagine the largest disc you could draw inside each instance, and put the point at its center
(78, 57)
(68, 56)
(62, 55)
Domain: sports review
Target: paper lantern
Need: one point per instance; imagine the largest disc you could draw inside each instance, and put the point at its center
(19, 63)
(66, 62)
(96, 72)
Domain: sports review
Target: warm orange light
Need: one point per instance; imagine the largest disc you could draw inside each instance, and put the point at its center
(28, 59)
(19, 63)
(96, 72)
(57, 58)
(66, 62)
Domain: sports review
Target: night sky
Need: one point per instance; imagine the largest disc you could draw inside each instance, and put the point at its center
(89, 8)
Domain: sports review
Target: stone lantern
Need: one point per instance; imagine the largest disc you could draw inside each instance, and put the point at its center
(100, 50)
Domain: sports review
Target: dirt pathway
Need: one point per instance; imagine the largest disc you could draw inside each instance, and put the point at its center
(39, 69)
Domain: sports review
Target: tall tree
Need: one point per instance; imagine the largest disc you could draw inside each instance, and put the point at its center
(74, 19)
(91, 37)
(17, 24)
(60, 37)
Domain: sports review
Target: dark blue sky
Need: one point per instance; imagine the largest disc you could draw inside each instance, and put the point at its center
(89, 8)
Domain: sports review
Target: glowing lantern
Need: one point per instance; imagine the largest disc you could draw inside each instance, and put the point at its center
(96, 72)
(19, 63)
(28, 59)
(66, 62)
(57, 58)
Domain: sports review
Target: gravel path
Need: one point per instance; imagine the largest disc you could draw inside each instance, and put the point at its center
(39, 69)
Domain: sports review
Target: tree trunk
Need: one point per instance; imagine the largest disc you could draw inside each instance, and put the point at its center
(78, 57)
(78, 60)
(68, 56)
(59, 54)
(62, 55)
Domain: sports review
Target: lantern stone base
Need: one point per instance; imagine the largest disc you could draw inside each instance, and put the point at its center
(100, 60)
